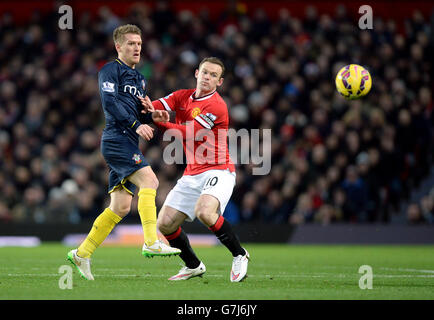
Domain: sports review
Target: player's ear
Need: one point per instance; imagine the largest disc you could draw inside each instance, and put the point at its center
(220, 82)
(196, 73)
(118, 47)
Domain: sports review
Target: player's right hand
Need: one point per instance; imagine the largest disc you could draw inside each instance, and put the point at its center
(147, 104)
(145, 131)
(160, 116)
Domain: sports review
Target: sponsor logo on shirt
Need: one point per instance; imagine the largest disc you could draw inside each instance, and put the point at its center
(132, 90)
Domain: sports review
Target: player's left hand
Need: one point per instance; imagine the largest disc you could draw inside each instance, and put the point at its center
(147, 104)
(160, 116)
(145, 131)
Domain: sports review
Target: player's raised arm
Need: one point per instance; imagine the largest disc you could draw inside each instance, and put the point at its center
(181, 128)
(108, 88)
(160, 116)
(200, 122)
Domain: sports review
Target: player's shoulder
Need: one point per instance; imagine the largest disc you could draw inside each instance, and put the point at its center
(219, 99)
(185, 92)
(181, 94)
(219, 102)
(110, 67)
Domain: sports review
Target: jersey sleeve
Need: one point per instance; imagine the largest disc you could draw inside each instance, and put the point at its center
(146, 118)
(108, 87)
(170, 102)
(158, 105)
(181, 128)
(205, 120)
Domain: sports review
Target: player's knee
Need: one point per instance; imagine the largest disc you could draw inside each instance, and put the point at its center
(155, 182)
(203, 215)
(164, 225)
(121, 209)
(150, 181)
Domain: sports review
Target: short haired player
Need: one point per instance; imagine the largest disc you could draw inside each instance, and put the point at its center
(206, 186)
(120, 86)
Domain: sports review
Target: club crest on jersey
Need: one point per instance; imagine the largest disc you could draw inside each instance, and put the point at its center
(136, 158)
(195, 112)
(143, 85)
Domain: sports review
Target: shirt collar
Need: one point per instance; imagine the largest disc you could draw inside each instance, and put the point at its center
(209, 95)
(123, 63)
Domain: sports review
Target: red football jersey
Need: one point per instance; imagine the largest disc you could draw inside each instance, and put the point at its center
(203, 123)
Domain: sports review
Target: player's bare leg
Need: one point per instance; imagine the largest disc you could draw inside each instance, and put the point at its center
(147, 181)
(120, 201)
(169, 223)
(206, 211)
(169, 220)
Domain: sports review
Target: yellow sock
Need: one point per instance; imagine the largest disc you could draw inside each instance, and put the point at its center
(101, 228)
(148, 214)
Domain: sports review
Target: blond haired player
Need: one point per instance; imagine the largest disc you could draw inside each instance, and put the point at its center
(121, 86)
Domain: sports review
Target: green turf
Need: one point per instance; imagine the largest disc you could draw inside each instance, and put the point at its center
(277, 272)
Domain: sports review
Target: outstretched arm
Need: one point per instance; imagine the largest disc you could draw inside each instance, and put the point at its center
(151, 106)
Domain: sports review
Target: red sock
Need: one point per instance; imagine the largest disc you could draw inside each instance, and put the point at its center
(216, 226)
(178, 239)
(173, 235)
(223, 231)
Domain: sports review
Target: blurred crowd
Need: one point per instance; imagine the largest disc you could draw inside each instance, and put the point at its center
(332, 160)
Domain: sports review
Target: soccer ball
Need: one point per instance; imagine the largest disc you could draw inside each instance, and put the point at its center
(353, 81)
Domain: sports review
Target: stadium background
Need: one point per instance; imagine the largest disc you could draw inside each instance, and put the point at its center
(343, 169)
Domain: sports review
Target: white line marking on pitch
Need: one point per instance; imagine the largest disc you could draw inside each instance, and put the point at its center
(409, 270)
(323, 275)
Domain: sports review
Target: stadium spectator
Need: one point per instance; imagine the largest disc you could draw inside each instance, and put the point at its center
(281, 76)
(414, 214)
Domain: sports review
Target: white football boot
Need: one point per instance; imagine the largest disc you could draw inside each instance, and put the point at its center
(187, 273)
(159, 248)
(239, 267)
(82, 264)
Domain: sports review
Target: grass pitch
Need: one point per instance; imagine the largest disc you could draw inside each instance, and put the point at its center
(276, 272)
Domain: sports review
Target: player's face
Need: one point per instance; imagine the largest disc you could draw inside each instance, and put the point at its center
(129, 50)
(208, 77)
